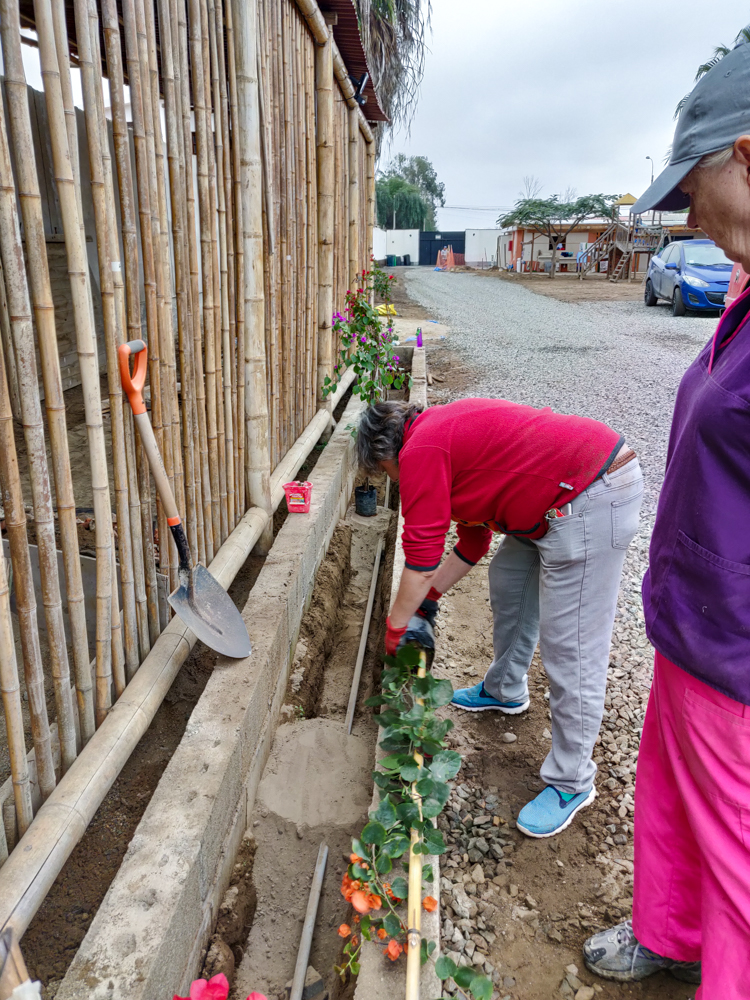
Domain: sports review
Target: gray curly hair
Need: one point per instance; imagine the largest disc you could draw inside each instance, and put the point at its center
(381, 432)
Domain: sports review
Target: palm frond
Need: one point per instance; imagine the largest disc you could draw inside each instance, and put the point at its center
(719, 52)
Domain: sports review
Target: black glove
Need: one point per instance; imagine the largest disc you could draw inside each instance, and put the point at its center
(428, 609)
(419, 632)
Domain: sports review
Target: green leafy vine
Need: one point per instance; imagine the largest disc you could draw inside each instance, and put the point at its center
(410, 726)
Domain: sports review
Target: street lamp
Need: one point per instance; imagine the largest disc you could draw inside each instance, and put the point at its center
(652, 169)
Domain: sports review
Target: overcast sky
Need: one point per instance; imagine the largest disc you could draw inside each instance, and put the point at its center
(574, 92)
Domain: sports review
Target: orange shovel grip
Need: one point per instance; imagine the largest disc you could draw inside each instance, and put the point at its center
(133, 384)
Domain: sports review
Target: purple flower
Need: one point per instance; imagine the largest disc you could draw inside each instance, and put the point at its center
(395, 357)
(364, 339)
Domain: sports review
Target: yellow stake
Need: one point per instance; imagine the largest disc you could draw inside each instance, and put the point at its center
(414, 902)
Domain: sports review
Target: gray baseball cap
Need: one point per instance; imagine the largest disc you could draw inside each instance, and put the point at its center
(716, 113)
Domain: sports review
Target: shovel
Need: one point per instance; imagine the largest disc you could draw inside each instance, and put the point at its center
(200, 601)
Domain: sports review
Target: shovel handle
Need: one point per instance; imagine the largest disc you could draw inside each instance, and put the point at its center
(133, 386)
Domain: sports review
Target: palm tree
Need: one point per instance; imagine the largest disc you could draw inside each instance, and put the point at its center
(719, 52)
(394, 36)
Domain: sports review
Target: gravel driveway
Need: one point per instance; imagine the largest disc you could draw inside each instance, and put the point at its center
(621, 363)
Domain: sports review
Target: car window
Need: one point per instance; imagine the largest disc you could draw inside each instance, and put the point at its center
(672, 254)
(706, 255)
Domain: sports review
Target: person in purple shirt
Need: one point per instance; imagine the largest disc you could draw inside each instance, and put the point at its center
(691, 900)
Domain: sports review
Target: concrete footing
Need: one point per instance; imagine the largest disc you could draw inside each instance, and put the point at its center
(147, 937)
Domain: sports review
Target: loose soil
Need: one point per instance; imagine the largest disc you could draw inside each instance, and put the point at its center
(570, 288)
(317, 785)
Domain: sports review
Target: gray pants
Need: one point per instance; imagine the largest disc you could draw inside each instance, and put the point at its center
(561, 591)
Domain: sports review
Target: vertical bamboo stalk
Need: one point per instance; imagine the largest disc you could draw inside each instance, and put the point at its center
(223, 272)
(203, 481)
(175, 161)
(6, 343)
(326, 211)
(370, 200)
(41, 293)
(206, 223)
(236, 172)
(354, 267)
(128, 301)
(87, 348)
(108, 252)
(257, 472)
(19, 307)
(414, 900)
(23, 583)
(10, 687)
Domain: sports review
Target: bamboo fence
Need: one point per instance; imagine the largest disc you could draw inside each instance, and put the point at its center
(201, 211)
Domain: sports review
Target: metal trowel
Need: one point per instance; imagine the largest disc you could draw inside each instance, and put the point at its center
(200, 600)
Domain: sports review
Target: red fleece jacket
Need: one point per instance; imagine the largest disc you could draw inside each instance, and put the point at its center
(492, 465)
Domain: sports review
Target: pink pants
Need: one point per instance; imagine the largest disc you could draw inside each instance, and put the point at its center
(692, 831)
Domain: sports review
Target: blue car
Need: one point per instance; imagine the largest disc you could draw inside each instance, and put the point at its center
(691, 274)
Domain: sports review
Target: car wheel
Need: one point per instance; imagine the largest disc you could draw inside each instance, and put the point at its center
(648, 296)
(678, 306)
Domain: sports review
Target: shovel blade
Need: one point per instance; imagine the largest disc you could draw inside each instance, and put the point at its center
(208, 611)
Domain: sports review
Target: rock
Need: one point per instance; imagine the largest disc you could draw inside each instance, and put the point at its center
(573, 981)
(470, 948)
(546, 734)
(219, 959)
(572, 969)
(314, 987)
(585, 993)
(509, 737)
(483, 820)
(462, 905)
(482, 845)
(509, 982)
(477, 875)
(512, 890)
(564, 989)
(555, 935)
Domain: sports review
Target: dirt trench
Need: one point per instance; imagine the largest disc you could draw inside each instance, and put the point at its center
(317, 784)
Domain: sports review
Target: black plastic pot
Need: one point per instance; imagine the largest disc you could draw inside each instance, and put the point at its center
(366, 500)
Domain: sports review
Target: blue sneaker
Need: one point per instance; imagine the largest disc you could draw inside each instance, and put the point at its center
(551, 811)
(476, 699)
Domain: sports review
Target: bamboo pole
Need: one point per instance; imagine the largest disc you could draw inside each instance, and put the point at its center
(23, 584)
(354, 206)
(6, 344)
(131, 303)
(41, 293)
(204, 507)
(414, 901)
(11, 691)
(370, 152)
(325, 140)
(108, 253)
(257, 471)
(19, 306)
(175, 162)
(87, 349)
(220, 134)
(206, 246)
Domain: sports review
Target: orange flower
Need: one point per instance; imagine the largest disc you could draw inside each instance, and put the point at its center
(354, 942)
(382, 934)
(360, 902)
(344, 930)
(354, 858)
(356, 918)
(429, 903)
(375, 901)
(349, 886)
(393, 950)
(365, 866)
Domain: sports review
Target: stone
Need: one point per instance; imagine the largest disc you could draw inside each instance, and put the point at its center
(573, 981)
(546, 734)
(462, 905)
(219, 959)
(512, 890)
(482, 845)
(477, 875)
(585, 993)
(509, 737)
(314, 987)
(509, 982)
(483, 820)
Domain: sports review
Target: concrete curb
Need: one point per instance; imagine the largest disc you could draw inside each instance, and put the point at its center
(147, 937)
(380, 979)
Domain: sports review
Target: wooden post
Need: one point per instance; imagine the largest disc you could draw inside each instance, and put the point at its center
(326, 181)
(355, 265)
(257, 454)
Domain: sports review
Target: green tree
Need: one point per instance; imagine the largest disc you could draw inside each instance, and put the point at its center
(404, 177)
(557, 216)
(400, 204)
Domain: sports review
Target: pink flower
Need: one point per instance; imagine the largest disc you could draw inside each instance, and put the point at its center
(213, 989)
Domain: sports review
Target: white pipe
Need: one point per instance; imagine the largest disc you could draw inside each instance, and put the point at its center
(303, 956)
